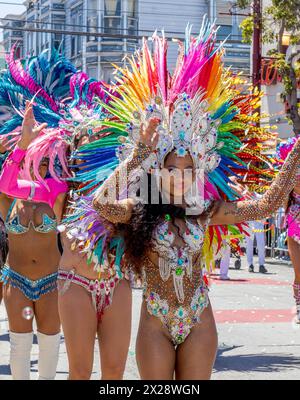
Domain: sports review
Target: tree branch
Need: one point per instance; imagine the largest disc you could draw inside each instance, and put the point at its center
(292, 94)
(280, 36)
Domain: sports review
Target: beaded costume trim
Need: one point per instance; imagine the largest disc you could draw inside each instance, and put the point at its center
(32, 289)
(180, 321)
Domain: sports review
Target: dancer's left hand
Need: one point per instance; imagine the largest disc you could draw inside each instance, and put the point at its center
(148, 135)
(30, 130)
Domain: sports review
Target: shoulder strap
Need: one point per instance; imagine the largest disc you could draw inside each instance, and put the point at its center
(10, 210)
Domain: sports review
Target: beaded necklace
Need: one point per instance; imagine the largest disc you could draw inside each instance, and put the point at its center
(175, 260)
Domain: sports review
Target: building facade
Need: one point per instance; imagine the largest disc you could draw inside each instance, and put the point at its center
(113, 18)
(229, 19)
(272, 102)
(13, 36)
(96, 33)
(2, 58)
(43, 15)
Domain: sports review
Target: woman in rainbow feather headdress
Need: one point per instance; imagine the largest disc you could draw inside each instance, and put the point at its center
(71, 119)
(292, 221)
(195, 122)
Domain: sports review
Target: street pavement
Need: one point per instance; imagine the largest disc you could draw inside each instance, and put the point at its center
(257, 336)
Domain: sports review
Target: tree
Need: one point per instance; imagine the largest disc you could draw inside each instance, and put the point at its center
(279, 19)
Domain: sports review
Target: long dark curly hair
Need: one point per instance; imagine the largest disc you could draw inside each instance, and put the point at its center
(145, 217)
(289, 202)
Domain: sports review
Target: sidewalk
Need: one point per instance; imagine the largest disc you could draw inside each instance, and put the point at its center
(254, 314)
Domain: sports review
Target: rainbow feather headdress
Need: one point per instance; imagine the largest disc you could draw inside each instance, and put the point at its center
(204, 110)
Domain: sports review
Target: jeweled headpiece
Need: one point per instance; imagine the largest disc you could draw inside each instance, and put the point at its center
(188, 129)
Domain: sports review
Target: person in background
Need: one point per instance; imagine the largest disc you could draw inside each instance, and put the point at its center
(256, 231)
(225, 261)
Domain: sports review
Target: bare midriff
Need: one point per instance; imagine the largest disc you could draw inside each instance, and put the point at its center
(72, 258)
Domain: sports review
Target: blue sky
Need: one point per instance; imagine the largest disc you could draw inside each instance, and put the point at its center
(10, 9)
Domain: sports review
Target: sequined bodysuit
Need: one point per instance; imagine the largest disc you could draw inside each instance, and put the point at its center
(174, 290)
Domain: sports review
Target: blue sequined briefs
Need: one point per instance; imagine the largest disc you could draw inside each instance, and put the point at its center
(33, 290)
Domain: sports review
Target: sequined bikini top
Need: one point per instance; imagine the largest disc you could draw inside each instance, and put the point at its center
(13, 225)
(175, 260)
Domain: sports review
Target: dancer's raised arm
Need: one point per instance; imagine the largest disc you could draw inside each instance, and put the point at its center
(12, 185)
(106, 200)
(276, 196)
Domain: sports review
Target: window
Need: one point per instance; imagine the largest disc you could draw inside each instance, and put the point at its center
(224, 31)
(92, 18)
(106, 74)
(17, 24)
(131, 8)
(92, 49)
(30, 42)
(45, 9)
(132, 26)
(92, 27)
(111, 47)
(131, 48)
(58, 37)
(44, 26)
(56, 6)
(112, 25)
(58, 27)
(76, 22)
(91, 60)
(112, 7)
(92, 72)
(58, 44)
(112, 17)
(58, 16)
(132, 21)
(17, 33)
(73, 46)
(79, 38)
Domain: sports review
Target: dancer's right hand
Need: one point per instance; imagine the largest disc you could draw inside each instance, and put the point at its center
(148, 136)
(30, 130)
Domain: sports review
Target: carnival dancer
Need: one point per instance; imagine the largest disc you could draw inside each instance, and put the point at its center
(180, 345)
(86, 300)
(30, 273)
(293, 224)
(193, 121)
